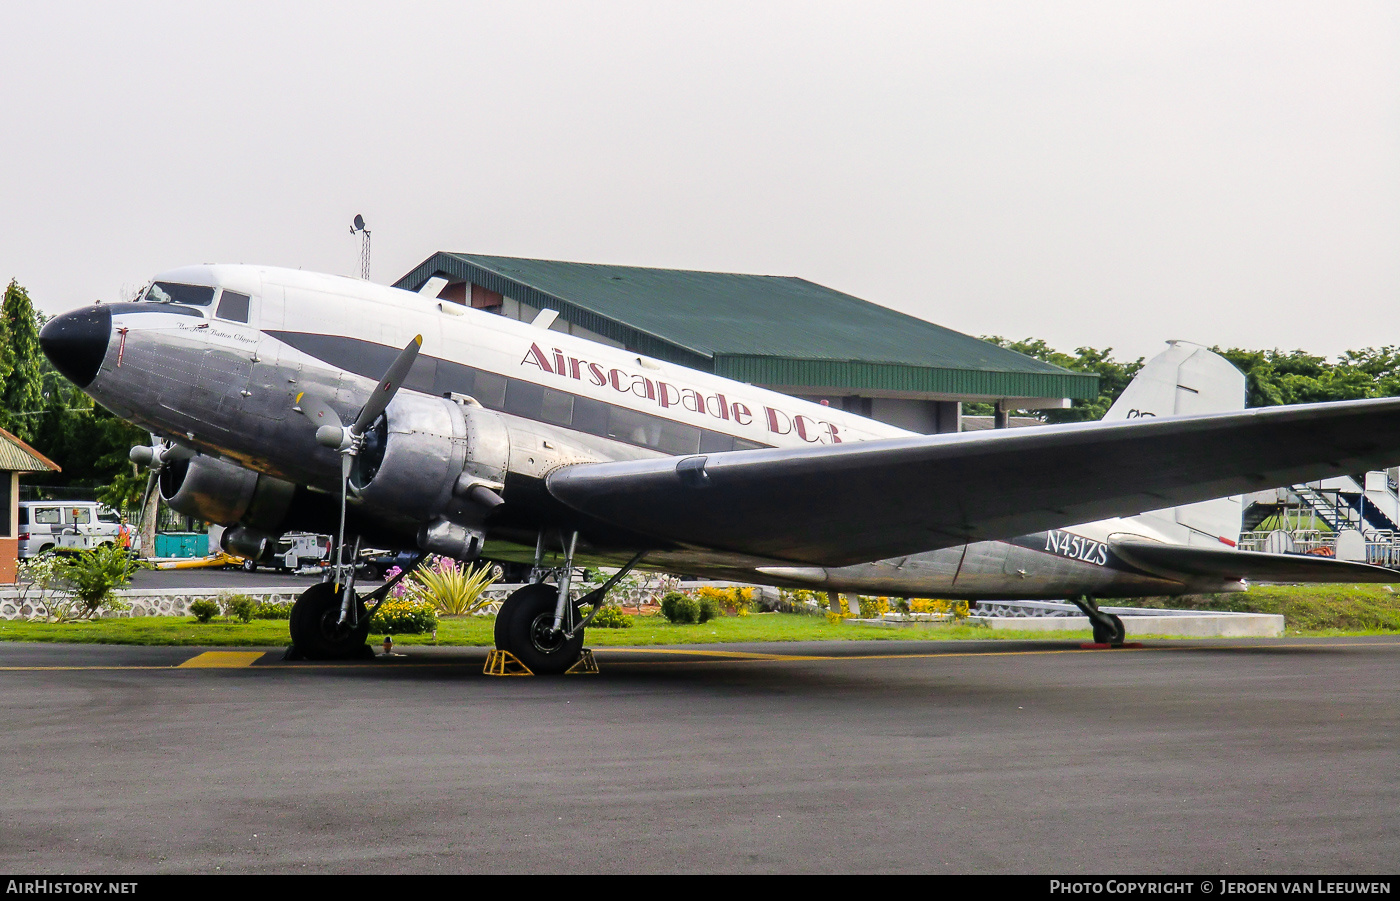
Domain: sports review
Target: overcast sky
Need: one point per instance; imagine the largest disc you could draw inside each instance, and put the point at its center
(1110, 174)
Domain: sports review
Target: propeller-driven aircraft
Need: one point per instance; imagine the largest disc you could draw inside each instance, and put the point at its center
(282, 400)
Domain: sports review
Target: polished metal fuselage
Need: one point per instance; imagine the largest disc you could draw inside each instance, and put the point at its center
(229, 389)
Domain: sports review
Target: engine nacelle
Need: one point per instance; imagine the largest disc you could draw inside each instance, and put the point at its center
(436, 462)
(215, 491)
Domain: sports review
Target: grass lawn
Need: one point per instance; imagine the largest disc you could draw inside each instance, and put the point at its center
(1307, 610)
(476, 631)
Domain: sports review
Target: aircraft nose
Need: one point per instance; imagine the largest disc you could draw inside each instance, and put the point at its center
(76, 342)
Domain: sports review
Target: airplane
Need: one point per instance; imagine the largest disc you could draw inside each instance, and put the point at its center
(280, 400)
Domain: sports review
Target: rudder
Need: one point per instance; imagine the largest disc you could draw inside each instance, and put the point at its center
(1187, 379)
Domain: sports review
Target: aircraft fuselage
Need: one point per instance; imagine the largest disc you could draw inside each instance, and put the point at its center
(223, 378)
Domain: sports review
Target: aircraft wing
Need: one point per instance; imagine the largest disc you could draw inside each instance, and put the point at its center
(835, 505)
(1175, 561)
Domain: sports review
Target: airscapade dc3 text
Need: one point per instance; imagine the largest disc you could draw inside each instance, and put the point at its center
(667, 395)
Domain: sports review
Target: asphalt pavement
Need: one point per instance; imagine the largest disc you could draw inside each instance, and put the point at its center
(228, 579)
(1246, 756)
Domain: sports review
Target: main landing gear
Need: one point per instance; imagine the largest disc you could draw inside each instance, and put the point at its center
(1108, 628)
(541, 624)
(330, 621)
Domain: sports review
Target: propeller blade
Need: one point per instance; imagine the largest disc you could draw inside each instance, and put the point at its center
(345, 463)
(174, 453)
(388, 386)
(145, 499)
(317, 410)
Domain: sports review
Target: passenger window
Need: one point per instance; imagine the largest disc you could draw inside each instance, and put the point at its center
(632, 427)
(112, 518)
(714, 442)
(48, 516)
(233, 306)
(454, 377)
(524, 398)
(557, 407)
(590, 416)
(490, 390)
(24, 516)
(81, 516)
(677, 438)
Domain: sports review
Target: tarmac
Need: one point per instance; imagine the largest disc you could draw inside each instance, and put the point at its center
(1198, 756)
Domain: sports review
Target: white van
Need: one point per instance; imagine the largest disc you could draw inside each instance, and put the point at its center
(67, 525)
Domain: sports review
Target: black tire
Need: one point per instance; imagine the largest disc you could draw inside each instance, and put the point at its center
(523, 628)
(250, 566)
(1104, 635)
(315, 627)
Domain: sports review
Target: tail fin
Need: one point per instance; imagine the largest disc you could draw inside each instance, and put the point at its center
(1187, 379)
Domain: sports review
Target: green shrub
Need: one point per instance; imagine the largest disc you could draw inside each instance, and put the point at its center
(94, 576)
(404, 616)
(612, 617)
(269, 610)
(241, 606)
(451, 588)
(709, 608)
(873, 608)
(680, 608)
(204, 610)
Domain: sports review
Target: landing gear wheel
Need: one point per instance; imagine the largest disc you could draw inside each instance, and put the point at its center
(525, 628)
(250, 566)
(1104, 635)
(316, 630)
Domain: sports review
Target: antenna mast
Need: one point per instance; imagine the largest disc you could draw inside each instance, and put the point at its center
(359, 227)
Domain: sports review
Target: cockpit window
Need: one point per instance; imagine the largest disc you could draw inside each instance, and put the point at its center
(233, 306)
(170, 292)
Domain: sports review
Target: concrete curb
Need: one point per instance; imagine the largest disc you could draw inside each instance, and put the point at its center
(1185, 625)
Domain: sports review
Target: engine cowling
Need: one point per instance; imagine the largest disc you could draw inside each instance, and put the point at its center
(220, 492)
(437, 462)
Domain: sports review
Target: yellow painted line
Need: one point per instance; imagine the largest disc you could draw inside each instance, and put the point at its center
(740, 656)
(70, 669)
(222, 659)
(242, 659)
(736, 655)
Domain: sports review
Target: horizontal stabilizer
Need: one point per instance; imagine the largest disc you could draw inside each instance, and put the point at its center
(1174, 561)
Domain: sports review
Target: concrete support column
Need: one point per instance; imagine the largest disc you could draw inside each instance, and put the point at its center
(947, 415)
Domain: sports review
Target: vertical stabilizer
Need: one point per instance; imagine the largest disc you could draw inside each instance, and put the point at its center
(1187, 379)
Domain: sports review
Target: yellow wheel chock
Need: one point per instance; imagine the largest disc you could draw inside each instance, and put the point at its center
(504, 663)
(586, 665)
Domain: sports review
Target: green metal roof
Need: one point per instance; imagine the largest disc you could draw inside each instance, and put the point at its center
(768, 330)
(16, 456)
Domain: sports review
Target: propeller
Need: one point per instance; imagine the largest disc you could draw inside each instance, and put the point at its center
(347, 440)
(155, 457)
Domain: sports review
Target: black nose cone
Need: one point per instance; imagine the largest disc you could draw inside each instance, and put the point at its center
(76, 342)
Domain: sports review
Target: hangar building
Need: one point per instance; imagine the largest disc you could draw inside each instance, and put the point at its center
(782, 333)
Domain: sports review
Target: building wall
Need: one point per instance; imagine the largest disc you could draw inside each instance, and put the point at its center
(9, 529)
(927, 417)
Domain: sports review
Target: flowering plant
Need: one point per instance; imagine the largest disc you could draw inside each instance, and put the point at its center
(449, 587)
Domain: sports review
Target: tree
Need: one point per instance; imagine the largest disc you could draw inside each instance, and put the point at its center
(1113, 375)
(21, 399)
(1297, 377)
